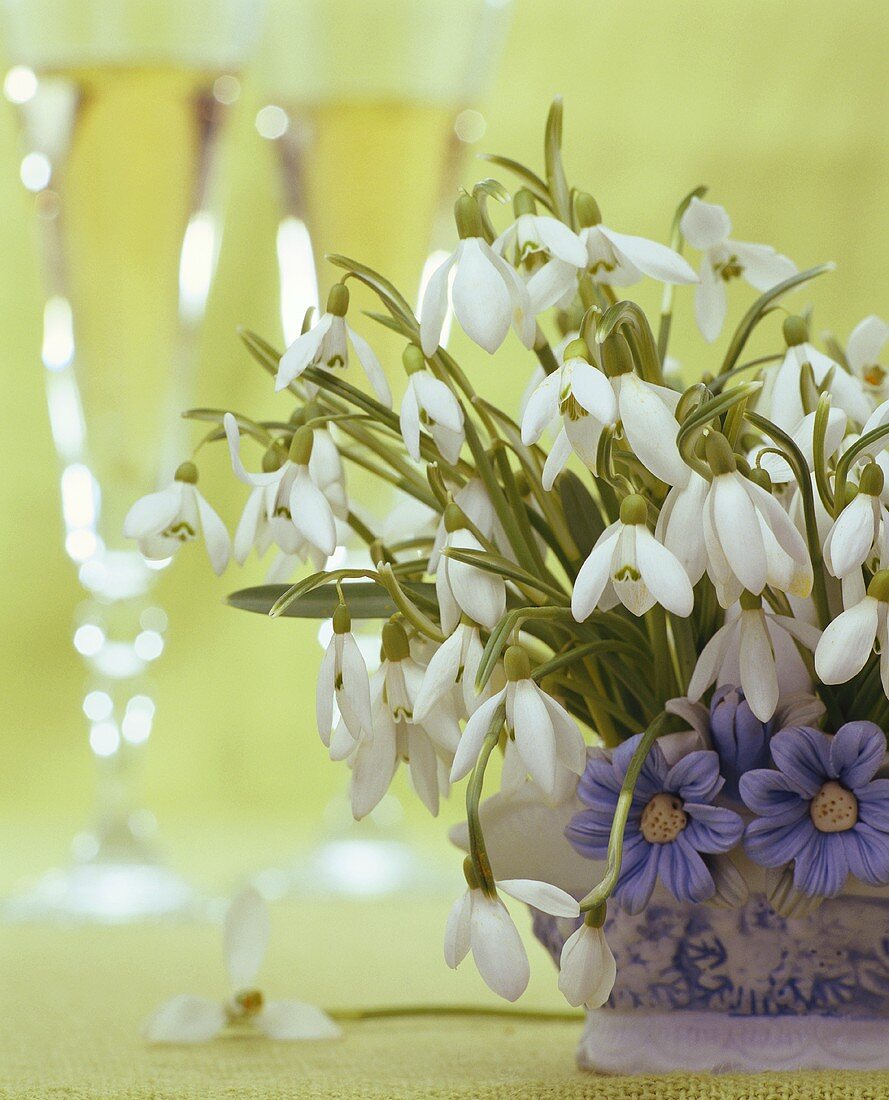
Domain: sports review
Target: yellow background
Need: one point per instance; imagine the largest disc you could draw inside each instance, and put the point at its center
(781, 106)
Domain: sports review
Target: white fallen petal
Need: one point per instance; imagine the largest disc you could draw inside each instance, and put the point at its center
(292, 1020)
(185, 1019)
(245, 937)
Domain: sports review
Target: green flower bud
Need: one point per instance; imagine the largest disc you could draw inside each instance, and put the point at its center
(413, 359)
(271, 460)
(298, 416)
(720, 456)
(595, 918)
(301, 446)
(338, 300)
(633, 510)
(187, 472)
(469, 874)
(749, 602)
(796, 331)
(577, 349)
(468, 217)
(342, 620)
(395, 644)
(516, 663)
(871, 480)
(587, 210)
(761, 477)
(879, 586)
(523, 202)
(454, 518)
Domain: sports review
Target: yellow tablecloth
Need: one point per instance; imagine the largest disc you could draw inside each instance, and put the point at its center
(73, 1000)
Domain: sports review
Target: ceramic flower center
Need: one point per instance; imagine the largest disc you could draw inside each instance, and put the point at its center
(834, 809)
(663, 819)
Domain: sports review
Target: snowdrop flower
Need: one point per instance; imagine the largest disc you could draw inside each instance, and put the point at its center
(751, 541)
(849, 640)
(343, 678)
(680, 525)
(297, 499)
(629, 564)
(464, 588)
(803, 435)
(453, 668)
(430, 403)
(188, 1019)
(546, 736)
(587, 969)
(782, 397)
(488, 294)
(856, 530)
(428, 748)
(163, 522)
(758, 664)
(533, 234)
(706, 227)
(865, 344)
(326, 345)
(480, 922)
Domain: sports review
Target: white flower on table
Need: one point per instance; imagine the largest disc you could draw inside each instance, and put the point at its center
(429, 403)
(190, 1019)
(547, 740)
(706, 226)
(630, 565)
(326, 345)
(480, 922)
(163, 522)
(288, 493)
(488, 294)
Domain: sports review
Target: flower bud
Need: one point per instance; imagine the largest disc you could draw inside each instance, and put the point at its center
(523, 202)
(187, 472)
(516, 663)
(338, 300)
(587, 210)
(271, 460)
(301, 446)
(413, 359)
(720, 456)
(871, 481)
(342, 620)
(740, 739)
(395, 644)
(577, 349)
(796, 331)
(633, 510)
(454, 518)
(468, 217)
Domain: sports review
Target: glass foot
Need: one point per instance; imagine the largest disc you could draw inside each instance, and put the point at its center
(105, 892)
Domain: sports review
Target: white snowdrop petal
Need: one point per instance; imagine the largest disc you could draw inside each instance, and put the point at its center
(663, 575)
(763, 266)
(738, 530)
(373, 766)
(497, 948)
(233, 436)
(311, 513)
(705, 224)
(153, 513)
(587, 969)
(292, 1020)
(593, 391)
(185, 1019)
(438, 400)
(434, 307)
(866, 342)
(474, 736)
(456, 940)
(559, 240)
(440, 675)
(324, 692)
(556, 460)
(371, 366)
(651, 258)
(549, 284)
(710, 661)
(594, 574)
(651, 429)
(248, 525)
(847, 643)
(302, 352)
(216, 537)
(409, 421)
(759, 677)
(245, 937)
(541, 895)
(711, 302)
(534, 734)
(541, 408)
(482, 302)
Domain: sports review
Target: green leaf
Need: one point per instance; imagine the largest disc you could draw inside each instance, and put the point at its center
(365, 600)
(555, 170)
(489, 562)
(391, 297)
(581, 512)
(753, 315)
(532, 181)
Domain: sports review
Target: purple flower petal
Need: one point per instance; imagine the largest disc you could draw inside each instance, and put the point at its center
(773, 841)
(768, 792)
(599, 785)
(654, 770)
(873, 804)
(638, 874)
(712, 828)
(867, 851)
(696, 778)
(822, 865)
(683, 871)
(589, 831)
(803, 754)
(856, 752)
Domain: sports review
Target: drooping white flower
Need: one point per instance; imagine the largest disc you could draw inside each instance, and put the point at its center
(857, 529)
(463, 588)
(343, 679)
(865, 344)
(759, 673)
(587, 969)
(189, 1019)
(428, 748)
(429, 403)
(480, 922)
(680, 525)
(326, 345)
(782, 399)
(706, 226)
(849, 640)
(453, 668)
(803, 435)
(488, 295)
(292, 495)
(629, 564)
(163, 522)
(546, 736)
(533, 235)
(751, 541)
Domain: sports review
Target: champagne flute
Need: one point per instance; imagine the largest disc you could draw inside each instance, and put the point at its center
(371, 106)
(121, 104)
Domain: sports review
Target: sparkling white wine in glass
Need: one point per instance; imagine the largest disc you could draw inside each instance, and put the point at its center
(121, 105)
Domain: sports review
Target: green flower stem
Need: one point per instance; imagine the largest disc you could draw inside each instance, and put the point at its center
(845, 463)
(822, 480)
(544, 353)
(388, 1012)
(478, 853)
(718, 384)
(360, 528)
(604, 889)
(676, 242)
(315, 581)
(407, 607)
(684, 648)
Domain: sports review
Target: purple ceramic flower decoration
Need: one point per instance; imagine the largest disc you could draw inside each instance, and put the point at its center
(672, 821)
(822, 808)
(741, 740)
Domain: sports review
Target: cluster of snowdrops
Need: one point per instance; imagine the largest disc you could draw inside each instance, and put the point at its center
(663, 603)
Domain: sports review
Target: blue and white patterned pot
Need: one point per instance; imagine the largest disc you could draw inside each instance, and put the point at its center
(701, 988)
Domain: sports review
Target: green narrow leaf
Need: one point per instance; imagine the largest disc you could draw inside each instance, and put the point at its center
(365, 600)
(555, 170)
(532, 181)
(391, 297)
(581, 512)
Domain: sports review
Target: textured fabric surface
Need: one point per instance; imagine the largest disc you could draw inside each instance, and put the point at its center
(74, 999)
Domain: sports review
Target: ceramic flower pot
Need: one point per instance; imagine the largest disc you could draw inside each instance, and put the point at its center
(706, 989)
